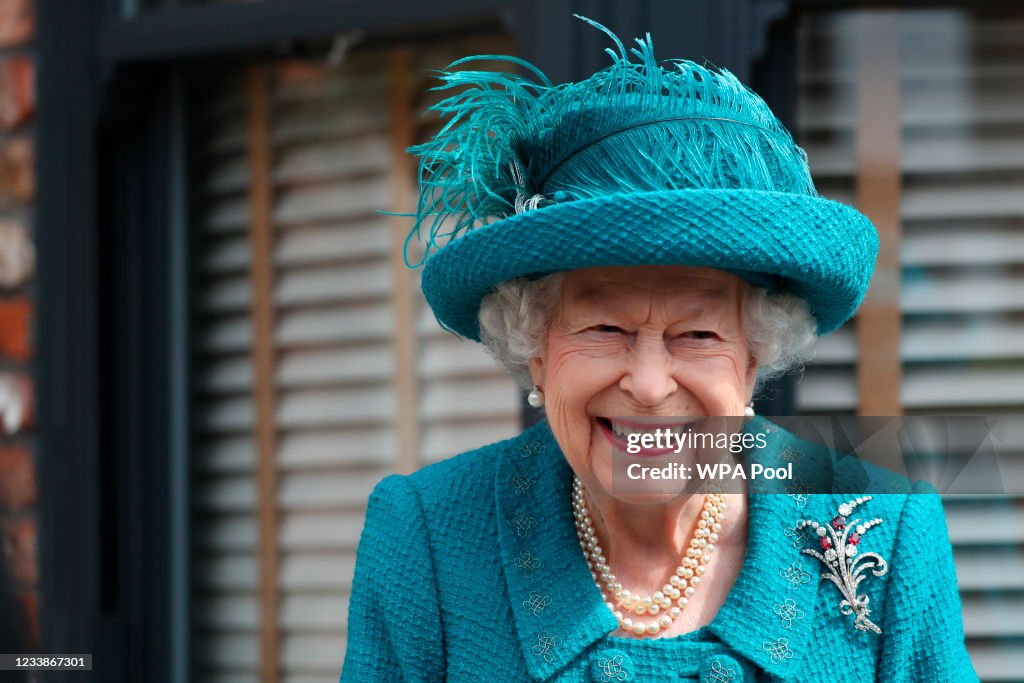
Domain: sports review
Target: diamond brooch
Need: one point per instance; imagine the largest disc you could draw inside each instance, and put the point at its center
(845, 566)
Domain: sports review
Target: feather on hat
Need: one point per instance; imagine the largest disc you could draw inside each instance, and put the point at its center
(644, 162)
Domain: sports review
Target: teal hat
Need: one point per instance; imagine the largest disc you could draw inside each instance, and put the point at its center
(643, 163)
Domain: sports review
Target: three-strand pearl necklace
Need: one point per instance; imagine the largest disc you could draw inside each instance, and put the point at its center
(669, 602)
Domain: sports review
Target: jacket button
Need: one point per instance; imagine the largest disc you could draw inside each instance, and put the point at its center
(721, 669)
(611, 666)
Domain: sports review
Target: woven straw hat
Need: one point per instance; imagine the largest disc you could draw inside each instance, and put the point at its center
(643, 163)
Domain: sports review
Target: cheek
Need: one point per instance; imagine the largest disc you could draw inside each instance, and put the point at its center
(574, 376)
(576, 373)
(738, 390)
(734, 366)
(717, 380)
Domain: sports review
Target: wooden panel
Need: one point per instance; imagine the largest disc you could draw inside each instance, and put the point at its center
(879, 366)
(403, 199)
(264, 362)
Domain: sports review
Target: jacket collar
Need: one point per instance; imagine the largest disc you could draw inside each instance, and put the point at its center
(559, 612)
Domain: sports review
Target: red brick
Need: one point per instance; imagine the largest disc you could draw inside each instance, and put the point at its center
(20, 549)
(29, 601)
(17, 23)
(15, 322)
(17, 479)
(17, 254)
(17, 402)
(17, 92)
(17, 170)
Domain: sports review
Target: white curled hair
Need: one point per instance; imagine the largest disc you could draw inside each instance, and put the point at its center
(781, 332)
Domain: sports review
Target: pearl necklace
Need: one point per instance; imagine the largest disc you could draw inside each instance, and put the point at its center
(674, 595)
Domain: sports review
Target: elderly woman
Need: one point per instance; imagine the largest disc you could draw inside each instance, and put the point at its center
(645, 243)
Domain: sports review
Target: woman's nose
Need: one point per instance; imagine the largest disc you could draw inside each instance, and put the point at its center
(648, 378)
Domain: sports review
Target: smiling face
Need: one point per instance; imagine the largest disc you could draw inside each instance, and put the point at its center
(646, 341)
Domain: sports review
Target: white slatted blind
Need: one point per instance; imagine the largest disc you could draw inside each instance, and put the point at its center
(962, 297)
(463, 403)
(335, 377)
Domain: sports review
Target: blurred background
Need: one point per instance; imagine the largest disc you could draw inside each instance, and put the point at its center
(210, 349)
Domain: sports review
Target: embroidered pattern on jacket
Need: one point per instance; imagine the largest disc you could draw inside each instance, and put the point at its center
(719, 673)
(795, 575)
(528, 562)
(521, 483)
(536, 603)
(545, 645)
(611, 669)
(778, 650)
(789, 612)
(522, 522)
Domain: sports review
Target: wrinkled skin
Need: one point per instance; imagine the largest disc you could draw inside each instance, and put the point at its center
(647, 341)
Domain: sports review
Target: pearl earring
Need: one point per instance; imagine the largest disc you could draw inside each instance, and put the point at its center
(749, 410)
(536, 397)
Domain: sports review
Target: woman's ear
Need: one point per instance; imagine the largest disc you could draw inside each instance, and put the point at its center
(751, 378)
(537, 371)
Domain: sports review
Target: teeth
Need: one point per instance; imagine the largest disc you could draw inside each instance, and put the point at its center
(624, 431)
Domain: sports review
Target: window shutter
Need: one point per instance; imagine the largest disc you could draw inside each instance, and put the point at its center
(464, 402)
(962, 292)
(333, 166)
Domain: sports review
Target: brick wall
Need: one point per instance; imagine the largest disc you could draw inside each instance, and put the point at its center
(18, 488)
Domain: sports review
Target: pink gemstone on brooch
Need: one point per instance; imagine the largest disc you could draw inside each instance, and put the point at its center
(826, 543)
(839, 522)
(854, 538)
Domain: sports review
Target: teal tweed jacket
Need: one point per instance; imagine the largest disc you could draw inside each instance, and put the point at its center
(470, 570)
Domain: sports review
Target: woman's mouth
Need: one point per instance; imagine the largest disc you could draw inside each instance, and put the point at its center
(645, 436)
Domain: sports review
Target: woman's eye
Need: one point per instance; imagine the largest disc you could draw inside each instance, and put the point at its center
(607, 329)
(700, 334)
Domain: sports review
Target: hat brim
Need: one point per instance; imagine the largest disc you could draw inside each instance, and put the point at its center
(815, 248)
